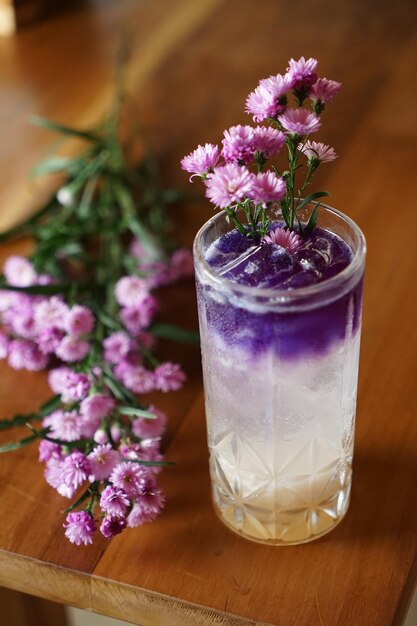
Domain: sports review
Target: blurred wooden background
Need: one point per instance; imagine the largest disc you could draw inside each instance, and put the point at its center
(194, 62)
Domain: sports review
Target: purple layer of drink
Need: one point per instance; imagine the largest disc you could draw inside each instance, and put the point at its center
(280, 336)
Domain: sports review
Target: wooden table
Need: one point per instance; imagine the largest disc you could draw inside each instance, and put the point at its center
(194, 63)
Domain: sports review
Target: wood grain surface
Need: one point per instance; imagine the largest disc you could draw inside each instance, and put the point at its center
(193, 65)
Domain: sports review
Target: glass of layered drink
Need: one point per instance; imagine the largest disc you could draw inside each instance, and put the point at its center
(280, 333)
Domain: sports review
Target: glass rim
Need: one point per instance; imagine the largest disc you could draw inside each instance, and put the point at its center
(285, 296)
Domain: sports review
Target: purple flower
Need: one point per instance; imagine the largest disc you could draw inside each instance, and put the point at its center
(25, 354)
(324, 90)
(49, 450)
(103, 459)
(76, 387)
(318, 151)
(261, 104)
(128, 476)
(79, 321)
(278, 86)
(284, 238)
(267, 140)
(75, 469)
(100, 436)
(97, 406)
(72, 349)
(267, 187)
(131, 290)
(202, 160)
(228, 184)
(80, 527)
(4, 346)
(54, 477)
(182, 264)
(135, 377)
(65, 425)
(238, 144)
(21, 321)
(114, 501)
(150, 502)
(150, 428)
(116, 346)
(57, 378)
(169, 377)
(137, 317)
(299, 121)
(49, 339)
(51, 312)
(302, 72)
(113, 525)
(19, 272)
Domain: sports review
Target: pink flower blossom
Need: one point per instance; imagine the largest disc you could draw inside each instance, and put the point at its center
(299, 121)
(267, 140)
(135, 377)
(76, 387)
(116, 346)
(114, 501)
(100, 436)
(302, 72)
(324, 90)
(112, 525)
(75, 469)
(278, 86)
(4, 346)
(19, 272)
(284, 238)
(267, 187)
(80, 527)
(317, 151)
(169, 377)
(115, 432)
(262, 104)
(65, 425)
(182, 264)
(49, 450)
(150, 502)
(97, 406)
(103, 459)
(131, 290)
(137, 317)
(229, 184)
(54, 477)
(202, 160)
(128, 476)
(72, 349)
(57, 378)
(51, 312)
(49, 339)
(22, 322)
(238, 144)
(25, 354)
(150, 428)
(79, 320)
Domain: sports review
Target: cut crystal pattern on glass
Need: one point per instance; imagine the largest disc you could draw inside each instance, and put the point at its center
(304, 499)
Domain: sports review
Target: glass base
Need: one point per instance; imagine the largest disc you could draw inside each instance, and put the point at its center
(280, 541)
(283, 515)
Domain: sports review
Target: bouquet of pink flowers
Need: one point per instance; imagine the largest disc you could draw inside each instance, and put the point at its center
(83, 306)
(240, 177)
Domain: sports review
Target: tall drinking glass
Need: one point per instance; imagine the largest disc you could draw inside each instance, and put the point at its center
(280, 378)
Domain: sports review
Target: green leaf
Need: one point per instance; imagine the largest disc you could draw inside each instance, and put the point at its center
(175, 333)
(148, 463)
(312, 220)
(42, 122)
(311, 197)
(135, 412)
(15, 445)
(54, 164)
(79, 501)
(36, 289)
